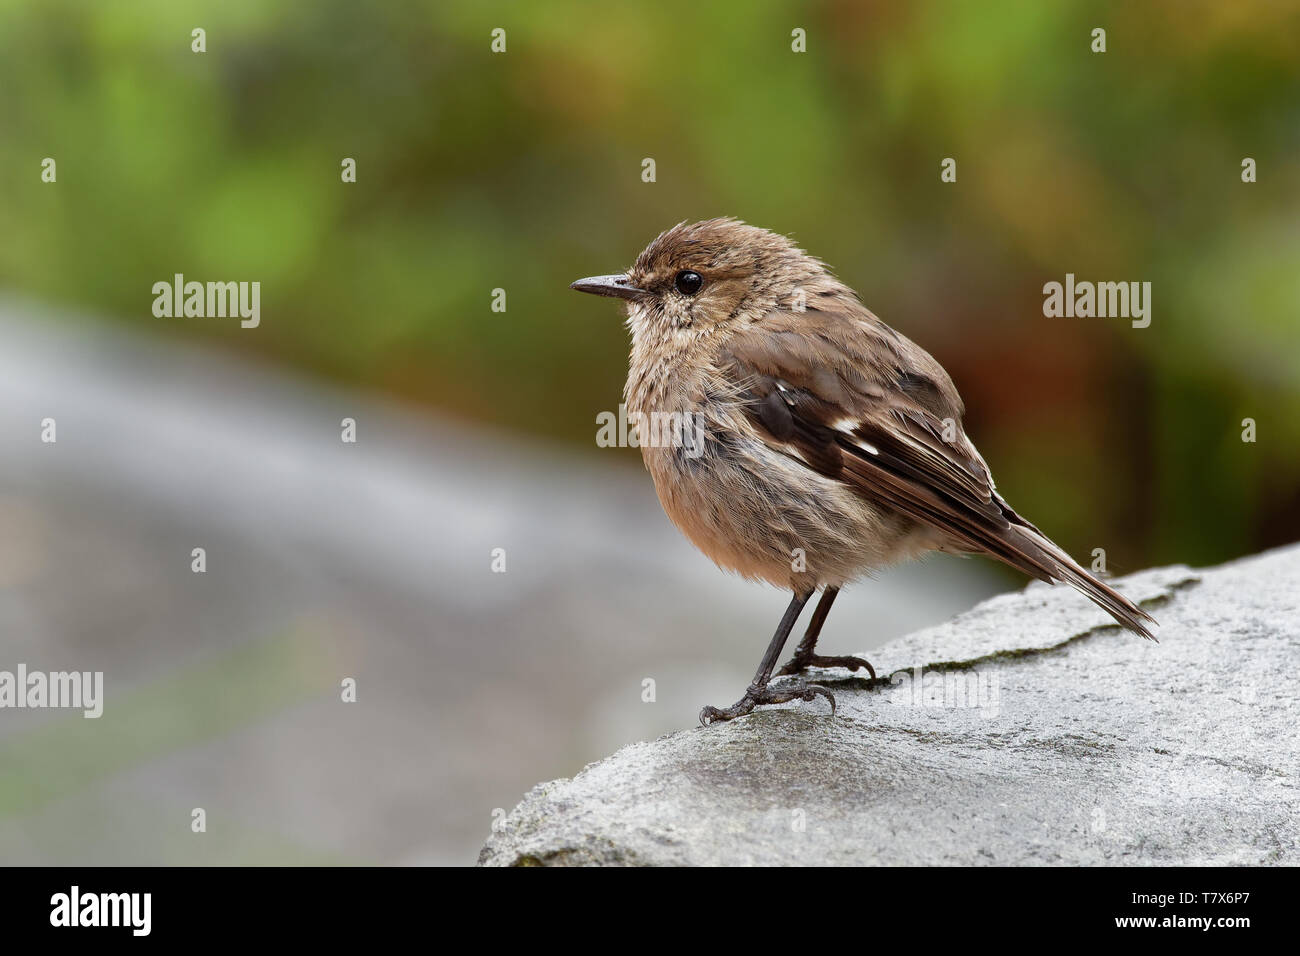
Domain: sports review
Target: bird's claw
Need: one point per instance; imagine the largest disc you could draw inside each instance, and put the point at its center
(766, 695)
(798, 664)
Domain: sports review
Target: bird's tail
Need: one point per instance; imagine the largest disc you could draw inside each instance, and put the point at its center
(1033, 552)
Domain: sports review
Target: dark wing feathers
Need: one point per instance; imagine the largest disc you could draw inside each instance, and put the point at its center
(855, 401)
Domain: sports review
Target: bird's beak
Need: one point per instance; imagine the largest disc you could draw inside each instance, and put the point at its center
(617, 286)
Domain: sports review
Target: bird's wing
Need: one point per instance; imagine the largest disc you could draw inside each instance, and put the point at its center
(855, 401)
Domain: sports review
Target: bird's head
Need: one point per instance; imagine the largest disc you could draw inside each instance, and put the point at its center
(714, 275)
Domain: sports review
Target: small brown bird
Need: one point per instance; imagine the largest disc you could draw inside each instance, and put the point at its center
(818, 444)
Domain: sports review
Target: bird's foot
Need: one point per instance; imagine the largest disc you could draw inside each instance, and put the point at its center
(801, 662)
(766, 695)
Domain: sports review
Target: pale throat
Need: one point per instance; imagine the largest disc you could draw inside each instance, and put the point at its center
(667, 366)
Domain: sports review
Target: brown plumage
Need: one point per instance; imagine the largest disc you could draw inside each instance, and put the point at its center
(832, 445)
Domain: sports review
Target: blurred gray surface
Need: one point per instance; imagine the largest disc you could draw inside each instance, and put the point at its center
(328, 560)
(1039, 734)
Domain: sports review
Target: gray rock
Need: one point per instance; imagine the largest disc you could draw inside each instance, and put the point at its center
(1027, 731)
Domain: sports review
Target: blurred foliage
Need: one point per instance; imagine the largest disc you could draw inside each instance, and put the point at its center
(522, 171)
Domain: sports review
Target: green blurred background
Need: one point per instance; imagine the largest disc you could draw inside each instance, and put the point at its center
(522, 171)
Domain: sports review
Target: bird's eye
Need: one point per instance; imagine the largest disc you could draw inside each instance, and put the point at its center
(688, 282)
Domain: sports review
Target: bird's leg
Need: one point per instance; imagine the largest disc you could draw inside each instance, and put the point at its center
(803, 654)
(759, 692)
